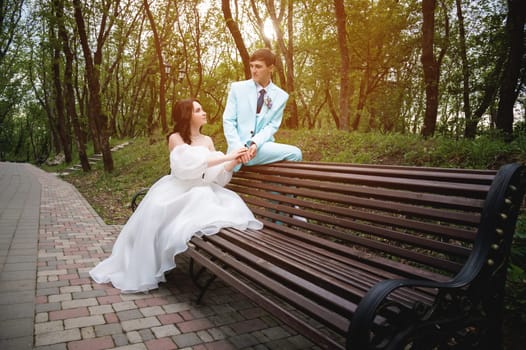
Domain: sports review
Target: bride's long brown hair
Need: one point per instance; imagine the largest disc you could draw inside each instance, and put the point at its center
(181, 116)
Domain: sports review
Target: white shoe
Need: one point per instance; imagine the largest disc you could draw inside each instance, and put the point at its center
(300, 218)
(297, 217)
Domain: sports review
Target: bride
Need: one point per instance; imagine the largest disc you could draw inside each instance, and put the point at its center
(190, 201)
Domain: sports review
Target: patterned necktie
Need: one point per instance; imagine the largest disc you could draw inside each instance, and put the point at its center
(260, 100)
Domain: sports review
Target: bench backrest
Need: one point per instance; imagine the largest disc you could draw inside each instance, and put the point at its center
(408, 221)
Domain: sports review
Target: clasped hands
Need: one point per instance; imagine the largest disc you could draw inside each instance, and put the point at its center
(244, 154)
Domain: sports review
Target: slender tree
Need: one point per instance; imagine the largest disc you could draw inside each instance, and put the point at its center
(92, 66)
(10, 15)
(471, 123)
(287, 49)
(62, 122)
(233, 27)
(69, 92)
(431, 65)
(345, 85)
(160, 58)
(511, 79)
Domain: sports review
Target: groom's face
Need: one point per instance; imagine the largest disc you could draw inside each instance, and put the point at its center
(261, 73)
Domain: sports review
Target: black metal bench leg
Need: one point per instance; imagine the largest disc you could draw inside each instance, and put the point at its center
(195, 278)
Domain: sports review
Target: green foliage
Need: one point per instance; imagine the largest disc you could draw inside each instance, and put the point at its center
(515, 298)
(333, 145)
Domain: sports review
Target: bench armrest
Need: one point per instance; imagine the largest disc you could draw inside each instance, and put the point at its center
(137, 197)
(465, 309)
(380, 319)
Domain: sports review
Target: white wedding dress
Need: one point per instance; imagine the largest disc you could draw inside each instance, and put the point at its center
(190, 201)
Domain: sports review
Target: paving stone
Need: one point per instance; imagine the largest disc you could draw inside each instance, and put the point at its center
(165, 331)
(195, 325)
(92, 344)
(243, 341)
(15, 328)
(134, 337)
(47, 307)
(140, 323)
(129, 315)
(120, 340)
(7, 298)
(186, 339)
(57, 337)
(79, 303)
(59, 297)
(152, 311)
(17, 343)
(146, 334)
(160, 344)
(100, 309)
(47, 327)
(125, 305)
(83, 321)
(87, 332)
(108, 329)
(41, 317)
(14, 311)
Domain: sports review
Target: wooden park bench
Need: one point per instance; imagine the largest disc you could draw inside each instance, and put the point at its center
(372, 257)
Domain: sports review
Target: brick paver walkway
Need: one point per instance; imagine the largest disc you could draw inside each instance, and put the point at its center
(50, 237)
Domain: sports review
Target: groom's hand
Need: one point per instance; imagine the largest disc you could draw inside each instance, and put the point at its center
(252, 150)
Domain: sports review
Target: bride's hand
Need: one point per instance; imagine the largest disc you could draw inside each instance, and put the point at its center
(238, 155)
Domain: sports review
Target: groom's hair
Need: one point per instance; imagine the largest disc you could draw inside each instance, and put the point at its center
(264, 55)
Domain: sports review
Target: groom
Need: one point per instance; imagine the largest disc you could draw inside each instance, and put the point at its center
(253, 114)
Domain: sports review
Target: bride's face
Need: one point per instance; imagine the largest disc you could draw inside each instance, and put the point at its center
(199, 115)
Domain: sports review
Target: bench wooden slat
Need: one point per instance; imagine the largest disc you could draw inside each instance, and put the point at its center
(330, 318)
(402, 169)
(438, 174)
(274, 308)
(459, 217)
(435, 262)
(432, 186)
(290, 186)
(442, 230)
(355, 280)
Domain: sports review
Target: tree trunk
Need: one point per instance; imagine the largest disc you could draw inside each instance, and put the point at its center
(490, 91)
(345, 86)
(236, 34)
(69, 93)
(332, 108)
(430, 67)
(93, 77)
(362, 96)
(288, 52)
(508, 89)
(160, 58)
(471, 131)
(43, 100)
(62, 124)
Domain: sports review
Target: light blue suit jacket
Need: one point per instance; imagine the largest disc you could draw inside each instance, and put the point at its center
(240, 123)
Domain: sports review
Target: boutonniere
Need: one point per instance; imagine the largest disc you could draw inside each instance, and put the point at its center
(268, 102)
